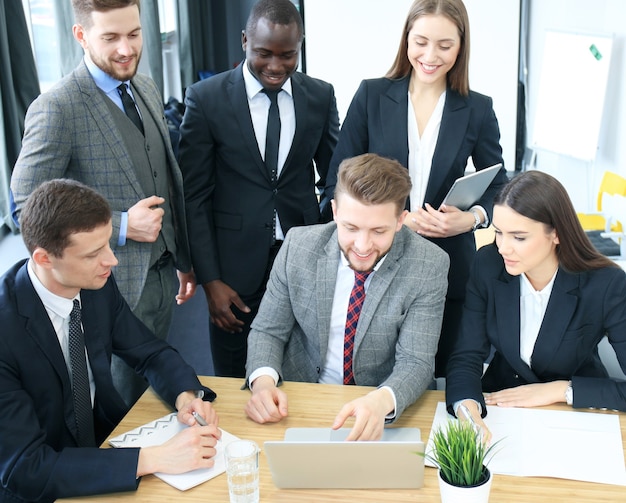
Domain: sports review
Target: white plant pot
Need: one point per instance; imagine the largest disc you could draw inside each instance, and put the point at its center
(455, 494)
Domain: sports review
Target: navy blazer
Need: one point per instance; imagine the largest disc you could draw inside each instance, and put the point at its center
(583, 308)
(39, 458)
(376, 122)
(230, 197)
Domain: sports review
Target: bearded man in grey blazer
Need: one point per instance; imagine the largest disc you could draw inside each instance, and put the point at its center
(300, 332)
(82, 129)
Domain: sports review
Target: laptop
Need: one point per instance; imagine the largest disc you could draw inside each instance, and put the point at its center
(469, 188)
(319, 458)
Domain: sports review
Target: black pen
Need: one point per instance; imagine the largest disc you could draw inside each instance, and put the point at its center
(200, 420)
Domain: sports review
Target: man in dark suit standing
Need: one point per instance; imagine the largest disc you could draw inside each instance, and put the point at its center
(118, 143)
(62, 318)
(249, 170)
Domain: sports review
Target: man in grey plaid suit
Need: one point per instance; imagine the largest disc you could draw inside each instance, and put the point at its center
(301, 327)
(79, 129)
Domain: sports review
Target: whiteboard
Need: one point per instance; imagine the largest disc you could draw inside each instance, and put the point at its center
(571, 96)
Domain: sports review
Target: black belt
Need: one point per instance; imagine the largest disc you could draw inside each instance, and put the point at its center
(277, 244)
(162, 261)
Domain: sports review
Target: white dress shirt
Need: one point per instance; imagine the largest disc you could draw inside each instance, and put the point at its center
(259, 104)
(533, 304)
(59, 309)
(422, 149)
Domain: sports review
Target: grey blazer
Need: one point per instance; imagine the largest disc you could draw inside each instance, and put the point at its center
(398, 329)
(70, 133)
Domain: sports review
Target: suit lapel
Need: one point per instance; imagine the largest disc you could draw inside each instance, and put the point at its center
(380, 283)
(236, 90)
(561, 308)
(40, 329)
(103, 120)
(454, 121)
(393, 106)
(301, 106)
(507, 295)
(326, 279)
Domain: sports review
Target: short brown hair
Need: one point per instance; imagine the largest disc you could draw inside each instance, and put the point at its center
(57, 209)
(372, 179)
(454, 10)
(84, 8)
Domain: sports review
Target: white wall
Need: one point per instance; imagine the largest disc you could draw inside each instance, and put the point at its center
(351, 40)
(581, 178)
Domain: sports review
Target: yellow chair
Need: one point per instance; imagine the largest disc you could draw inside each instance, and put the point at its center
(612, 184)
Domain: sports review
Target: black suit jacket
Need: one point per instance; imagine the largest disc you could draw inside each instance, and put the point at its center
(230, 198)
(39, 458)
(583, 308)
(377, 122)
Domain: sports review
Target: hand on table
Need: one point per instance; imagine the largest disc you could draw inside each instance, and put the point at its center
(268, 404)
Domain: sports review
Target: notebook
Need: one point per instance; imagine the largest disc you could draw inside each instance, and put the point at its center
(161, 430)
(469, 188)
(320, 458)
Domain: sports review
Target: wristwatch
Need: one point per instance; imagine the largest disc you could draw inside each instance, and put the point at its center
(477, 220)
(569, 394)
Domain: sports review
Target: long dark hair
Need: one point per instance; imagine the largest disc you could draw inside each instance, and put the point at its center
(542, 198)
(454, 10)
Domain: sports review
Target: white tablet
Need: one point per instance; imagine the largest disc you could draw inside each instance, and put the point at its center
(469, 188)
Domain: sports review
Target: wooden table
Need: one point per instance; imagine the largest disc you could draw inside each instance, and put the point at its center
(315, 405)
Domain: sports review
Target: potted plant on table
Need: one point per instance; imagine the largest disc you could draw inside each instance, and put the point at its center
(461, 456)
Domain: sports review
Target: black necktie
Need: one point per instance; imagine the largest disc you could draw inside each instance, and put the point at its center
(272, 137)
(80, 380)
(129, 107)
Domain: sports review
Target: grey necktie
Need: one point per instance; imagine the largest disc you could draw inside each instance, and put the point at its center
(80, 380)
(129, 107)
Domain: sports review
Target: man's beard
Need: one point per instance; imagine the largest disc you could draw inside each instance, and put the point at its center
(107, 67)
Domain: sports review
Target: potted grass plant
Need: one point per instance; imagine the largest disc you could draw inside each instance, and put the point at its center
(461, 456)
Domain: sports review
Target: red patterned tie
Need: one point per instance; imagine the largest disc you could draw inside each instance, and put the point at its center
(357, 297)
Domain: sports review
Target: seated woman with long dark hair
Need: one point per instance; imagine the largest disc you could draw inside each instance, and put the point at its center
(543, 298)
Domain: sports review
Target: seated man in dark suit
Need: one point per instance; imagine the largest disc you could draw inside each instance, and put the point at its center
(62, 318)
(310, 325)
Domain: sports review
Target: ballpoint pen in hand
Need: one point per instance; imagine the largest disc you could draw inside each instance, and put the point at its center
(199, 419)
(469, 417)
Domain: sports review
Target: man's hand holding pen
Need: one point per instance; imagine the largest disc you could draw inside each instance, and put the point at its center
(190, 449)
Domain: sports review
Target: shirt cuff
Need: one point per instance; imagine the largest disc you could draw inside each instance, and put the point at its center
(263, 371)
(485, 224)
(121, 240)
(392, 415)
(456, 405)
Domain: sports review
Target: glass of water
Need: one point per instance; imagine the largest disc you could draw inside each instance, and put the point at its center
(242, 469)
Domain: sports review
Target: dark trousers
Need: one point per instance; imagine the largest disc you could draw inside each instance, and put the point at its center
(155, 309)
(229, 351)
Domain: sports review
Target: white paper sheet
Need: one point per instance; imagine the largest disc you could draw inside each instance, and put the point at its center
(545, 443)
(159, 431)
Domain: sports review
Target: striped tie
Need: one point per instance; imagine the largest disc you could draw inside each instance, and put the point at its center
(357, 297)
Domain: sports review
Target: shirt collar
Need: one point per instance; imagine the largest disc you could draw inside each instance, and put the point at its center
(528, 289)
(59, 305)
(345, 263)
(254, 87)
(103, 80)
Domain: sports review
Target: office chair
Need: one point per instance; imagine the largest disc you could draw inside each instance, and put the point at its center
(612, 184)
